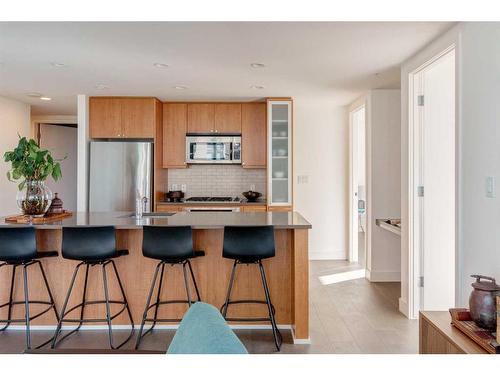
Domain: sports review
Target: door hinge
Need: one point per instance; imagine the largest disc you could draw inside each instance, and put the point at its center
(420, 100)
(421, 281)
(420, 191)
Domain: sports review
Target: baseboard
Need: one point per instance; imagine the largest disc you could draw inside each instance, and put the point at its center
(300, 341)
(127, 327)
(403, 307)
(319, 255)
(383, 276)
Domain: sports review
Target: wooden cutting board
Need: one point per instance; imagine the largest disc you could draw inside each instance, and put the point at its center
(48, 218)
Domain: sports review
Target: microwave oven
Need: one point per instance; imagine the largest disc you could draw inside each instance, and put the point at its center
(209, 149)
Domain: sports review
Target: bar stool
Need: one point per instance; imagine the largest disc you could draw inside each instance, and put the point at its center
(173, 246)
(92, 246)
(18, 248)
(250, 245)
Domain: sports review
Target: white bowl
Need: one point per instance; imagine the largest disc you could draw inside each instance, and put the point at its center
(279, 174)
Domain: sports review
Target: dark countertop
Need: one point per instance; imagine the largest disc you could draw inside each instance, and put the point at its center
(198, 220)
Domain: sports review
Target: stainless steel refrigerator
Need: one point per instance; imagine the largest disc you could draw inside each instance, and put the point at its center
(119, 172)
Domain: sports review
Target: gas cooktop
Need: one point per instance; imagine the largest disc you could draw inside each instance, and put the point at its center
(213, 199)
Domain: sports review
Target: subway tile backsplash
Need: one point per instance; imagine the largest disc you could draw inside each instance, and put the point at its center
(217, 180)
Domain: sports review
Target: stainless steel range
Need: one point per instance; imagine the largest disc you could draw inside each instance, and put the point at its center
(213, 199)
(212, 204)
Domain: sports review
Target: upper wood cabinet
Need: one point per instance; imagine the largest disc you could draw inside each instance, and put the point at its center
(105, 118)
(214, 118)
(227, 118)
(174, 135)
(138, 117)
(253, 135)
(122, 117)
(200, 117)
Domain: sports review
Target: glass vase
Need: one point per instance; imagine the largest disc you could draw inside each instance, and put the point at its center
(35, 198)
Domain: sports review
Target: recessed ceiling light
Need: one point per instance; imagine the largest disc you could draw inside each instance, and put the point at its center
(101, 87)
(257, 65)
(181, 87)
(46, 98)
(34, 94)
(160, 65)
(257, 87)
(57, 64)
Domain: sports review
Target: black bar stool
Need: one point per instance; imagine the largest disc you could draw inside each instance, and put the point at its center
(18, 249)
(92, 246)
(169, 245)
(249, 245)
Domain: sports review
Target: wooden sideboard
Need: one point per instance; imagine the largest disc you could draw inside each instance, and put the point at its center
(438, 336)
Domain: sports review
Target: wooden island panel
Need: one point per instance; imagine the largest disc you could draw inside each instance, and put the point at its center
(287, 275)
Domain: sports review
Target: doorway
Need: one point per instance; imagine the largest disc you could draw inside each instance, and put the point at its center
(433, 188)
(357, 191)
(61, 140)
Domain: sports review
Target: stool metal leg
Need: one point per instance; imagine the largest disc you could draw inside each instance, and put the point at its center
(194, 281)
(148, 303)
(51, 301)
(84, 295)
(65, 306)
(49, 292)
(278, 339)
(27, 307)
(11, 294)
(127, 306)
(108, 310)
(186, 283)
(158, 295)
(230, 287)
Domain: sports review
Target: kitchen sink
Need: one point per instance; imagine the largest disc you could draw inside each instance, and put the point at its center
(154, 215)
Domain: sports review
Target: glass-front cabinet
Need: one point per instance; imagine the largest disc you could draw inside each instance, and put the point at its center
(279, 133)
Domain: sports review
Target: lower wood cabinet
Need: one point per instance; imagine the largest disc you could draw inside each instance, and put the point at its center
(169, 208)
(253, 208)
(438, 336)
(279, 208)
(180, 207)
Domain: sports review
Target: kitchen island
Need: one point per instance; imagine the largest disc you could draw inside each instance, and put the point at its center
(287, 272)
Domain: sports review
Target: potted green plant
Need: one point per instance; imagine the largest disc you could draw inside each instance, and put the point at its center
(30, 167)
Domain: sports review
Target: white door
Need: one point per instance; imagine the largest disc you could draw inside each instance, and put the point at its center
(436, 112)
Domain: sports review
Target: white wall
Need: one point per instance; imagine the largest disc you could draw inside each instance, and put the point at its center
(83, 161)
(321, 142)
(383, 113)
(479, 245)
(14, 119)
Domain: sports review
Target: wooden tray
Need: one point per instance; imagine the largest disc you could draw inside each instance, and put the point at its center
(48, 218)
(461, 319)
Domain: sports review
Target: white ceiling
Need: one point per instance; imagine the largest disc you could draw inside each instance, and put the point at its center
(335, 59)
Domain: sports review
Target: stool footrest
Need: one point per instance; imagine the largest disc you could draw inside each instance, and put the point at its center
(94, 303)
(33, 317)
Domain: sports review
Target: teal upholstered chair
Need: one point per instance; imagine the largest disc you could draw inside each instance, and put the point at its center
(203, 330)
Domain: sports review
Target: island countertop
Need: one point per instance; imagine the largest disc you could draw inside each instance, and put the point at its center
(288, 270)
(198, 220)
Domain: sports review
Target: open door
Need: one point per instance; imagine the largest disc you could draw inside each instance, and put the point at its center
(435, 184)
